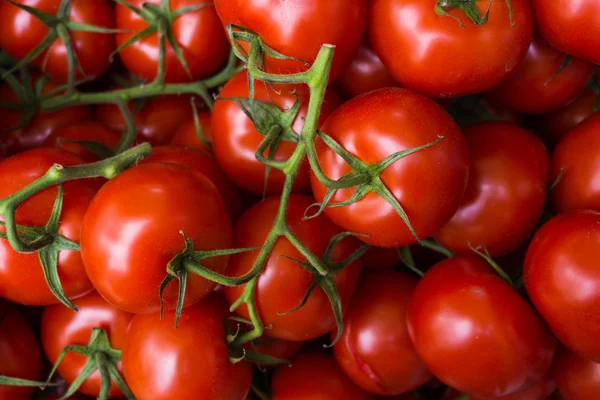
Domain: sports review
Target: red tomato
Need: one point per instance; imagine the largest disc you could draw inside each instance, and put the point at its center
(83, 131)
(298, 28)
(21, 275)
(20, 355)
(540, 391)
(558, 123)
(577, 153)
(563, 281)
(576, 377)
(62, 327)
(375, 350)
(21, 32)
(187, 135)
(570, 26)
(437, 56)
(283, 283)
(132, 231)
(380, 258)
(315, 376)
(475, 333)
(162, 362)
(428, 184)
(534, 89)
(198, 33)
(509, 172)
(282, 349)
(236, 139)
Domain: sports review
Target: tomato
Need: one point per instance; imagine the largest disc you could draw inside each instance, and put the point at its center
(198, 342)
(281, 349)
(509, 172)
(571, 26)
(576, 377)
(21, 275)
(204, 162)
(21, 33)
(380, 258)
(315, 376)
(384, 363)
(20, 355)
(298, 28)
(366, 73)
(132, 230)
(533, 88)
(558, 123)
(540, 391)
(428, 184)
(475, 333)
(198, 33)
(562, 279)
(284, 283)
(62, 327)
(83, 131)
(577, 153)
(187, 135)
(235, 138)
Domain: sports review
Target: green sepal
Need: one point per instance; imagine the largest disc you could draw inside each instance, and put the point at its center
(10, 381)
(484, 253)
(98, 149)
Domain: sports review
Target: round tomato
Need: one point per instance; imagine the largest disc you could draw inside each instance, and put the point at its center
(475, 333)
(63, 327)
(198, 33)
(284, 283)
(556, 124)
(509, 172)
(162, 362)
(188, 136)
(20, 355)
(540, 391)
(133, 229)
(21, 32)
(83, 131)
(315, 376)
(428, 184)
(576, 377)
(22, 278)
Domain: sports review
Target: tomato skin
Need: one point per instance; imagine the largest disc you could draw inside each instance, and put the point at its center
(557, 124)
(62, 327)
(428, 184)
(21, 32)
(141, 213)
(198, 33)
(198, 341)
(509, 172)
(282, 349)
(283, 283)
(435, 56)
(380, 258)
(540, 391)
(21, 275)
(475, 333)
(20, 354)
(366, 73)
(89, 131)
(576, 377)
(315, 376)
(187, 135)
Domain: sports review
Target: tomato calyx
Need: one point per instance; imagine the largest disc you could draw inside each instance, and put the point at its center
(238, 353)
(484, 253)
(469, 7)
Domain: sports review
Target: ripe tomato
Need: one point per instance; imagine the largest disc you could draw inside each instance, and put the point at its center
(380, 258)
(563, 281)
(83, 131)
(383, 364)
(236, 139)
(281, 349)
(198, 33)
(132, 230)
(577, 153)
(159, 359)
(62, 327)
(570, 26)
(21, 275)
(366, 73)
(576, 377)
(298, 28)
(558, 123)
(540, 391)
(284, 283)
(437, 56)
(533, 88)
(21, 32)
(315, 376)
(475, 333)
(20, 355)
(509, 172)
(428, 184)
(187, 135)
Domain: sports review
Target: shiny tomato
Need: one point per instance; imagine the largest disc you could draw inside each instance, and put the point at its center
(284, 283)
(383, 363)
(576, 377)
(162, 362)
(315, 376)
(366, 73)
(436, 55)
(20, 354)
(509, 172)
(132, 230)
(558, 123)
(21, 275)
(62, 327)
(475, 333)
(428, 184)
(188, 136)
(198, 33)
(21, 32)
(540, 391)
(83, 131)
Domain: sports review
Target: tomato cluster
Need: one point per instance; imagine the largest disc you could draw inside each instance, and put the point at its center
(302, 199)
